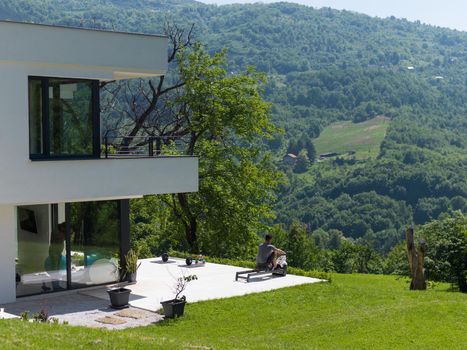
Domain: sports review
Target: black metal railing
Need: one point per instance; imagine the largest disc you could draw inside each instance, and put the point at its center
(143, 146)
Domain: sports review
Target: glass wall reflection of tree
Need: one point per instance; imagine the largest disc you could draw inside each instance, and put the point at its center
(70, 110)
(95, 242)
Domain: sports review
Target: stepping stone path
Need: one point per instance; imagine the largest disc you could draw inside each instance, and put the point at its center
(110, 320)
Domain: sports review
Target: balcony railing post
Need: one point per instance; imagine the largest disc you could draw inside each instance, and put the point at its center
(158, 146)
(106, 146)
(151, 147)
(146, 146)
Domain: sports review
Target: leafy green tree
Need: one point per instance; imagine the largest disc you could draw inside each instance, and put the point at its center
(396, 261)
(300, 247)
(226, 118)
(302, 164)
(311, 151)
(222, 118)
(352, 257)
(446, 259)
(296, 245)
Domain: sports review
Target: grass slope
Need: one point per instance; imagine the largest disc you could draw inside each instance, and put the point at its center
(363, 138)
(353, 312)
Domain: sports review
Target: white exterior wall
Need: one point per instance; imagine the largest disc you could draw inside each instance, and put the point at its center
(108, 55)
(7, 253)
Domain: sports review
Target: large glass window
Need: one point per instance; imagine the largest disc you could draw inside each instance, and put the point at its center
(95, 242)
(63, 118)
(41, 258)
(65, 246)
(70, 117)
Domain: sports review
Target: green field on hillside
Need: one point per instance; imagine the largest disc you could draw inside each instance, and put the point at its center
(352, 312)
(343, 137)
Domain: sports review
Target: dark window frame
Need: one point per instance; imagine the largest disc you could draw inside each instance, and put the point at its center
(96, 124)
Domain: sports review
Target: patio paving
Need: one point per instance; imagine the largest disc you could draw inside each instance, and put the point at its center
(79, 309)
(156, 281)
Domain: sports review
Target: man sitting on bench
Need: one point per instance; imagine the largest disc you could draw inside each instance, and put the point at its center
(267, 255)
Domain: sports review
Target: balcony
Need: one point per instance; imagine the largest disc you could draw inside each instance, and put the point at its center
(128, 167)
(115, 177)
(49, 93)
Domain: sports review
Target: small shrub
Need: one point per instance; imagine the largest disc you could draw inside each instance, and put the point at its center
(131, 261)
(24, 316)
(181, 284)
(41, 316)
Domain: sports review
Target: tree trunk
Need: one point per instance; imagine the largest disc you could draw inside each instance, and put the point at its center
(190, 222)
(416, 258)
(190, 232)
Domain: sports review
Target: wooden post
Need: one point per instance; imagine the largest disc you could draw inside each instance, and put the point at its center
(416, 258)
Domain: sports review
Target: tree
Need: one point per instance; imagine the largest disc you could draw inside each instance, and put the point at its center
(302, 163)
(446, 258)
(311, 151)
(301, 249)
(222, 118)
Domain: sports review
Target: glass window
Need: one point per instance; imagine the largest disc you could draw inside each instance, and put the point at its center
(35, 117)
(86, 233)
(95, 243)
(41, 256)
(63, 119)
(70, 117)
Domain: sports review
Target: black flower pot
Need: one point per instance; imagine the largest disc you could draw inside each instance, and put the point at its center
(119, 297)
(174, 308)
(131, 277)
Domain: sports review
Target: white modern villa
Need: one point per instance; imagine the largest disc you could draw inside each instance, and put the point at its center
(64, 206)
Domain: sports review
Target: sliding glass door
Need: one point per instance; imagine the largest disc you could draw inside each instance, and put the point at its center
(41, 259)
(94, 243)
(67, 246)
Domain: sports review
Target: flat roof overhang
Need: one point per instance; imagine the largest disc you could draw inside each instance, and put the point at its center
(96, 179)
(106, 55)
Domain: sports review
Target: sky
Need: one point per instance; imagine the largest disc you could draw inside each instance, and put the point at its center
(444, 13)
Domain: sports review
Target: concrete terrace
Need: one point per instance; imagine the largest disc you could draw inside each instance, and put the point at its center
(156, 280)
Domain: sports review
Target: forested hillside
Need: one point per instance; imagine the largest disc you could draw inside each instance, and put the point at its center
(325, 66)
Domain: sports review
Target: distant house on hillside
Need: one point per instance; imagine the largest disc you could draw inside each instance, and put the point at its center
(290, 159)
(328, 155)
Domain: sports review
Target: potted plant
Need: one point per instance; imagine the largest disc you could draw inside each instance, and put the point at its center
(131, 265)
(176, 306)
(119, 297)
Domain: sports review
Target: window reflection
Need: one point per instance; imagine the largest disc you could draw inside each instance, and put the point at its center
(70, 117)
(93, 232)
(95, 243)
(41, 257)
(63, 119)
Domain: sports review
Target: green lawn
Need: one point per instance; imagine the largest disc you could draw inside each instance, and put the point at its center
(363, 138)
(352, 312)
